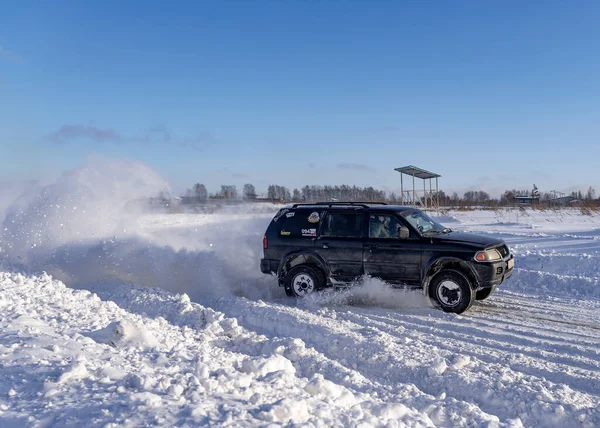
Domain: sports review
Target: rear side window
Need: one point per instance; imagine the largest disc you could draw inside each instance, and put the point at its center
(343, 225)
(300, 224)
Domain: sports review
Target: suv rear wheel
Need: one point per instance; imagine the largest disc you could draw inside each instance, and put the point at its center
(451, 291)
(301, 281)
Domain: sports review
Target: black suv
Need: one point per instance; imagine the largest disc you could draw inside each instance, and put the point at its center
(312, 246)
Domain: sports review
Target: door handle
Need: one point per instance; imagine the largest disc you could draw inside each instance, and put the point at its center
(325, 245)
(372, 246)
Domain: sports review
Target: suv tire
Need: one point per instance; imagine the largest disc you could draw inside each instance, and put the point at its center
(451, 291)
(301, 281)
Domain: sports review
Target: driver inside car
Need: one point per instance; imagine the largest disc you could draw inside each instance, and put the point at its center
(379, 228)
(393, 226)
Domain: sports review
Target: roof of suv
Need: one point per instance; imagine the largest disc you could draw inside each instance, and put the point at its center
(364, 205)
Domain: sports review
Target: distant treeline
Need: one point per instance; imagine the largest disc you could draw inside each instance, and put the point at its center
(316, 193)
(277, 193)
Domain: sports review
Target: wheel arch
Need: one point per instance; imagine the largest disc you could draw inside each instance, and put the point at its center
(449, 263)
(297, 258)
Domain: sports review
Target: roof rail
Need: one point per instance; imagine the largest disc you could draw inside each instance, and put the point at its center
(351, 203)
(331, 204)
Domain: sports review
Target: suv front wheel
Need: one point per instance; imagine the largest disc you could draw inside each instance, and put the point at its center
(302, 281)
(451, 291)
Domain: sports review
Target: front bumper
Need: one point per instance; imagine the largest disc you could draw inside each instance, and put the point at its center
(495, 273)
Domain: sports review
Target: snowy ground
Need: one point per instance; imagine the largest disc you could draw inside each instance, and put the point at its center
(169, 322)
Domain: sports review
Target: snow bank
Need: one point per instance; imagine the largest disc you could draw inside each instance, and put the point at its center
(319, 386)
(68, 355)
(125, 333)
(261, 367)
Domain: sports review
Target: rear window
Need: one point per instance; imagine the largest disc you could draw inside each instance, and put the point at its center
(343, 225)
(300, 224)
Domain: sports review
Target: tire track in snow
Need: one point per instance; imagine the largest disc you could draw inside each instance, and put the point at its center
(468, 330)
(490, 319)
(556, 368)
(531, 323)
(519, 301)
(558, 311)
(500, 310)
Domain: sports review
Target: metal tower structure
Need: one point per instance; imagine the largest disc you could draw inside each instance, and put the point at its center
(427, 199)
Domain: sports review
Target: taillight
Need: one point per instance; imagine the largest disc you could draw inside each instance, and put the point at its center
(265, 242)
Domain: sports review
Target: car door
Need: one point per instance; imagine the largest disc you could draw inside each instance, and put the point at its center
(340, 244)
(388, 257)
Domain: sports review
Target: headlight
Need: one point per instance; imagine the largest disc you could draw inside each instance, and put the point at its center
(488, 256)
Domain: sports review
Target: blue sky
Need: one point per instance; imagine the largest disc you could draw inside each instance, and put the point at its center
(491, 95)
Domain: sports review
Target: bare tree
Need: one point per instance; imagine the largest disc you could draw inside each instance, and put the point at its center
(591, 194)
(200, 192)
(249, 191)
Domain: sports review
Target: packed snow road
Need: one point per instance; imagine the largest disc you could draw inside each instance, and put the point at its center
(242, 353)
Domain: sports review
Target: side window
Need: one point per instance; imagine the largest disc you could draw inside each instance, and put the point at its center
(300, 224)
(343, 225)
(383, 226)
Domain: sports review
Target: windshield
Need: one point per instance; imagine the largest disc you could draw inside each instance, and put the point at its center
(423, 223)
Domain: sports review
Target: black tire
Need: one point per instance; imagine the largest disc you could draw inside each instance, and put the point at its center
(289, 292)
(302, 281)
(451, 291)
(485, 293)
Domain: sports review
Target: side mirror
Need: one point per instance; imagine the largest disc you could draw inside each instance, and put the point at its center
(403, 232)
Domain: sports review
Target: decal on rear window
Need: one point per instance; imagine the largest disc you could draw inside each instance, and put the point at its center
(309, 232)
(314, 217)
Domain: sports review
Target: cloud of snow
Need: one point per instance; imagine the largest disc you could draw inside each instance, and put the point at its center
(15, 193)
(90, 227)
(372, 292)
(82, 205)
